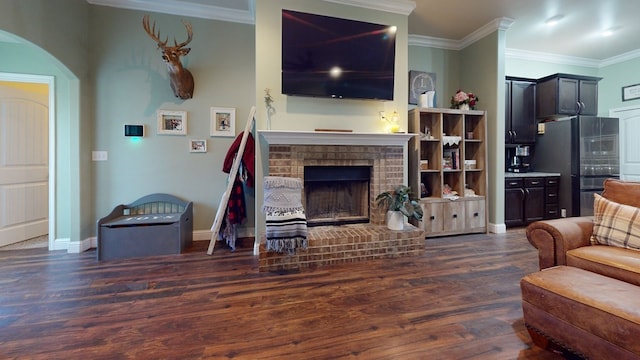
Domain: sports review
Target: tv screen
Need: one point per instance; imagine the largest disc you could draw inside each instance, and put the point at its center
(325, 56)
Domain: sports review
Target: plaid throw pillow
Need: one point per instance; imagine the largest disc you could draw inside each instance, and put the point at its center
(615, 224)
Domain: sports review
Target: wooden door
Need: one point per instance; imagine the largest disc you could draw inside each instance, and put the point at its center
(534, 199)
(589, 97)
(513, 202)
(432, 219)
(454, 216)
(24, 165)
(629, 144)
(567, 96)
(475, 215)
(523, 119)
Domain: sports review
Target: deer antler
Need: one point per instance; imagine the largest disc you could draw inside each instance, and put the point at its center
(189, 35)
(152, 32)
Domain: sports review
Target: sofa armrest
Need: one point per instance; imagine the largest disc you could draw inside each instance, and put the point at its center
(553, 238)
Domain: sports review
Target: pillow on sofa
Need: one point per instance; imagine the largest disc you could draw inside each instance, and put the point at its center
(622, 192)
(615, 224)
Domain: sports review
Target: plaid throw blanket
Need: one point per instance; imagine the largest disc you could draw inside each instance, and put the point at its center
(286, 221)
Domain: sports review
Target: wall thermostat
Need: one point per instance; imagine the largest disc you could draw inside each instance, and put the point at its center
(134, 130)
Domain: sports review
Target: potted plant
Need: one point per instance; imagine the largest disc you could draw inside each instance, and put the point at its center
(398, 203)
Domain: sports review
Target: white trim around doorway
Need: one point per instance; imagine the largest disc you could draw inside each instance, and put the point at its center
(50, 81)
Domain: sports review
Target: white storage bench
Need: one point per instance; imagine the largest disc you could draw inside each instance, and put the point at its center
(156, 224)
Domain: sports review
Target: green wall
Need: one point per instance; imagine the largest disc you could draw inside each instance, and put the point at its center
(614, 77)
(477, 68)
(444, 63)
(482, 72)
(109, 73)
(54, 38)
(132, 84)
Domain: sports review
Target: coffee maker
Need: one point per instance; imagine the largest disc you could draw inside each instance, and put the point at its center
(519, 159)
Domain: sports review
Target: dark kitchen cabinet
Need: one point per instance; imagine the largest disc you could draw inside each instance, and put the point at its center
(564, 94)
(520, 116)
(534, 199)
(551, 193)
(529, 199)
(513, 202)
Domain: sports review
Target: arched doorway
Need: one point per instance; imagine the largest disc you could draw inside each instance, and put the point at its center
(27, 62)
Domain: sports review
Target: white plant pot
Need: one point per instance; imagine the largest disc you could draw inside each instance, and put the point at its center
(395, 220)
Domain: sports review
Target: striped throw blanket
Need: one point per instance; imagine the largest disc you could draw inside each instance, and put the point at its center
(286, 220)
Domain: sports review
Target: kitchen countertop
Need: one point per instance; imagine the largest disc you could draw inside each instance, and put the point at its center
(529, 174)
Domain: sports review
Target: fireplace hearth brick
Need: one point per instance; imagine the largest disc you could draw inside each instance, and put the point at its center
(328, 245)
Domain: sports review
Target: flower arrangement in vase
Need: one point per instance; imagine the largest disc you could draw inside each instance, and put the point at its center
(464, 100)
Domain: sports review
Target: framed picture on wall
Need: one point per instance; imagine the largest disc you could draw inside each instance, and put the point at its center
(419, 83)
(631, 92)
(223, 122)
(198, 146)
(172, 122)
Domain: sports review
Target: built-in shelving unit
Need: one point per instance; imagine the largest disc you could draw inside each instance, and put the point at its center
(447, 167)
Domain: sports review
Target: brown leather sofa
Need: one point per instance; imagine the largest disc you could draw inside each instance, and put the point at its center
(585, 301)
(566, 241)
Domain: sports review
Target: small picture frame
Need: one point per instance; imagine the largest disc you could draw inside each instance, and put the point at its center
(223, 122)
(631, 92)
(198, 146)
(172, 122)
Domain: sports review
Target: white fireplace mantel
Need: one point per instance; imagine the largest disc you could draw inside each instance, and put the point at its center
(281, 137)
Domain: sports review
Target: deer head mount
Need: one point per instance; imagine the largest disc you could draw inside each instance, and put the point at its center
(181, 79)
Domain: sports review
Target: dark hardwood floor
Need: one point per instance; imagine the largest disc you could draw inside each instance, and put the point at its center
(460, 300)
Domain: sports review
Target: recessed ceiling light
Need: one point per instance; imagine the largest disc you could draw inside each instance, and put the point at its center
(610, 31)
(553, 20)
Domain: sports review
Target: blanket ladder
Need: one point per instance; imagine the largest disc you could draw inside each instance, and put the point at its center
(217, 223)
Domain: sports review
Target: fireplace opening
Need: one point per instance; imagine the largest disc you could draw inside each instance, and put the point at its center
(336, 195)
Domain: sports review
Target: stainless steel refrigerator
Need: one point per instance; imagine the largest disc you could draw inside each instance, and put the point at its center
(585, 151)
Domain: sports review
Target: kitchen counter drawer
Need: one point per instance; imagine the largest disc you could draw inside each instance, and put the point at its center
(534, 182)
(513, 183)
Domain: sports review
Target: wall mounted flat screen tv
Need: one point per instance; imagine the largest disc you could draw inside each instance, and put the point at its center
(324, 56)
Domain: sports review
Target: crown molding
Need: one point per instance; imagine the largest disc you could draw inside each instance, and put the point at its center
(501, 24)
(434, 42)
(551, 58)
(403, 7)
(175, 7)
(620, 58)
(448, 44)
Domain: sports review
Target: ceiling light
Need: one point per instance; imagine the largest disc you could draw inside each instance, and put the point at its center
(553, 20)
(610, 31)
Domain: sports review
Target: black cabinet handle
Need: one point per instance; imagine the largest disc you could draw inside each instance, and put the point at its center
(475, 214)
(455, 216)
(433, 217)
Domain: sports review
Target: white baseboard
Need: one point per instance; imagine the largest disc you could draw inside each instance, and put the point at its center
(200, 235)
(497, 228)
(59, 244)
(76, 247)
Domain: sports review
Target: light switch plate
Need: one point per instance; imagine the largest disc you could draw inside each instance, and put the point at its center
(99, 156)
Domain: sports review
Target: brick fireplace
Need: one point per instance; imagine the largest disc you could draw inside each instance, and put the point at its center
(290, 152)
